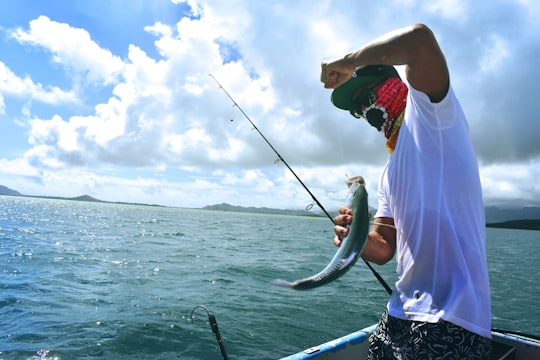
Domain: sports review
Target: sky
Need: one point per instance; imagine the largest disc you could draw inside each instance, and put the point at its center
(113, 98)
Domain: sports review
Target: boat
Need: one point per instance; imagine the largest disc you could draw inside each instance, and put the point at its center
(507, 345)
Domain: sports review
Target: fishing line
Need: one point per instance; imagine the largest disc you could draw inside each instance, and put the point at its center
(340, 143)
(375, 273)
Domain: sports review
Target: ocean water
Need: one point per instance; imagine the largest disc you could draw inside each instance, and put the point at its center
(85, 280)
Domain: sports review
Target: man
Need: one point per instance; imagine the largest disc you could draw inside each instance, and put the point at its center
(430, 212)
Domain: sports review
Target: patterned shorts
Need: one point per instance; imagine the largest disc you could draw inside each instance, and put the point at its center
(406, 340)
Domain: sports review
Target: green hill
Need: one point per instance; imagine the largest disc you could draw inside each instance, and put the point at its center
(4, 190)
(517, 224)
(261, 210)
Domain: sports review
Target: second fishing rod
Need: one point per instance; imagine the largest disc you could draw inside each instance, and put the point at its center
(375, 273)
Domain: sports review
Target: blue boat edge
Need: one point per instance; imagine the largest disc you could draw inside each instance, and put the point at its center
(514, 345)
(356, 341)
(506, 345)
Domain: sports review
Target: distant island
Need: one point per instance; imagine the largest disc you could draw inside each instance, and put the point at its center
(528, 224)
(527, 218)
(260, 210)
(4, 190)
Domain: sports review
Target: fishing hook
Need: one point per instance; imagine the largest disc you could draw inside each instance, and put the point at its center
(213, 324)
(280, 158)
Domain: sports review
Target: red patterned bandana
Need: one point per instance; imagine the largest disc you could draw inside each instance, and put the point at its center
(384, 108)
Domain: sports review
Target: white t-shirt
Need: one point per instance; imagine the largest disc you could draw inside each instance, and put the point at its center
(431, 188)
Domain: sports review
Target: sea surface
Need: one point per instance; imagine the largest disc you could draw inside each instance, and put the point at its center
(84, 280)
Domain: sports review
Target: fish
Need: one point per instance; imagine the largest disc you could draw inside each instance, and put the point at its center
(351, 245)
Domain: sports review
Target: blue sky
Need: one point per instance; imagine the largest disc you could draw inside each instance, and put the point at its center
(113, 98)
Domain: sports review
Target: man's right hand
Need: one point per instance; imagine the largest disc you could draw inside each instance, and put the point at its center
(334, 73)
(342, 220)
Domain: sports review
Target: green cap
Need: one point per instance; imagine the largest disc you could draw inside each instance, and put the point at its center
(342, 95)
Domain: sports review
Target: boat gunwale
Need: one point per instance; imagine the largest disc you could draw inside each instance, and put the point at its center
(357, 338)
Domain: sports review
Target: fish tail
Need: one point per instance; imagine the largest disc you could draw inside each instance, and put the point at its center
(283, 283)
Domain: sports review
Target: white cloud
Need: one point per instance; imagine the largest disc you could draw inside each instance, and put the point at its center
(162, 114)
(496, 52)
(72, 48)
(452, 9)
(13, 85)
(512, 182)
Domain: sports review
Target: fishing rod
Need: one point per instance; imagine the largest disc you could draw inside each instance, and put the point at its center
(215, 329)
(272, 147)
(375, 273)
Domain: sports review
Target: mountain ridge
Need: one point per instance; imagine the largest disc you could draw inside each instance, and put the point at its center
(4, 190)
(527, 217)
